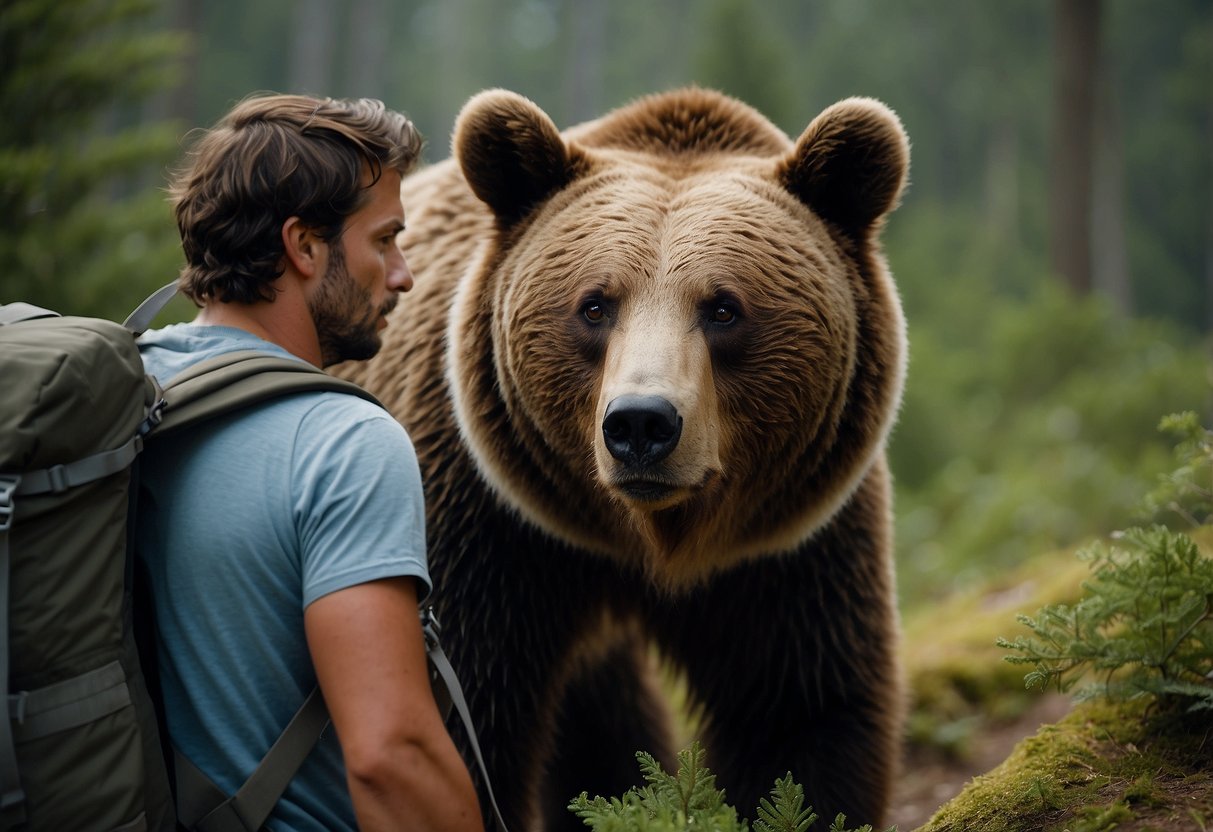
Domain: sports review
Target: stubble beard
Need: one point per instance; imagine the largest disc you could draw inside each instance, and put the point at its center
(345, 317)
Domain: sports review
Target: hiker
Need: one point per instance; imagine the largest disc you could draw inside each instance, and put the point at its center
(285, 544)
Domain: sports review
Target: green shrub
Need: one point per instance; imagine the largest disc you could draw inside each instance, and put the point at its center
(1028, 425)
(1145, 624)
(690, 800)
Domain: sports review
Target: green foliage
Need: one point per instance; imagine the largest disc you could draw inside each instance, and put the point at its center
(741, 54)
(690, 800)
(1187, 492)
(1027, 425)
(1145, 624)
(86, 227)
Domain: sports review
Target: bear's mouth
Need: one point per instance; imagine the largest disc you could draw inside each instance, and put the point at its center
(646, 491)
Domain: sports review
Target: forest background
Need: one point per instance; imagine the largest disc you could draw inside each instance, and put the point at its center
(1054, 250)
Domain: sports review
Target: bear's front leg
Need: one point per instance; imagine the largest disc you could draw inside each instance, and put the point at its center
(793, 660)
(608, 712)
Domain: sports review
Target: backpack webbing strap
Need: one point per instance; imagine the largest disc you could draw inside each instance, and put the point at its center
(437, 658)
(202, 806)
(139, 320)
(236, 380)
(12, 797)
(59, 478)
(70, 703)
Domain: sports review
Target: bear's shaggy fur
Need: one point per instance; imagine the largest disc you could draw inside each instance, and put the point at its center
(649, 367)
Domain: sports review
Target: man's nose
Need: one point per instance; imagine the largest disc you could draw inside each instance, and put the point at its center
(400, 276)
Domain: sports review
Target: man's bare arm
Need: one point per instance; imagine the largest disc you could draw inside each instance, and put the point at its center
(403, 769)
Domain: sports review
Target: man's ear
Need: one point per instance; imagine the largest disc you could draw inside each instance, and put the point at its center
(303, 248)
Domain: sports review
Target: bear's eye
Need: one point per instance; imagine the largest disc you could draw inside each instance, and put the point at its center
(593, 311)
(724, 313)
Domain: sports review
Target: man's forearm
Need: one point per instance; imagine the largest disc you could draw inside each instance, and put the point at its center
(415, 787)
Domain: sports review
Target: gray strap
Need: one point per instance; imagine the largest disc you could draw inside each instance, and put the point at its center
(139, 320)
(197, 795)
(248, 809)
(454, 690)
(70, 703)
(13, 313)
(202, 806)
(12, 797)
(139, 824)
(237, 380)
(59, 478)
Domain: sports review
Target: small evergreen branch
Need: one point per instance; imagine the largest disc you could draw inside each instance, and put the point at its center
(787, 812)
(1145, 624)
(1187, 492)
(690, 800)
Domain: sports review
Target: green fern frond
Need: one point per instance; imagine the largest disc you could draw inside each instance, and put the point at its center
(785, 813)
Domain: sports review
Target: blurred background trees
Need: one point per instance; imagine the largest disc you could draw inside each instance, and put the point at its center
(1054, 251)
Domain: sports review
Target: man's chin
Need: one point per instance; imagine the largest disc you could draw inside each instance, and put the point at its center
(351, 349)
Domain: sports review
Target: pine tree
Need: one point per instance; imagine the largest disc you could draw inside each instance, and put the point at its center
(86, 228)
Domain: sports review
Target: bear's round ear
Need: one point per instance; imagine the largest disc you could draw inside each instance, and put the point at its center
(511, 153)
(850, 164)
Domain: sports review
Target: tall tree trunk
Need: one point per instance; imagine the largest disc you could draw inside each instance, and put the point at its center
(1002, 182)
(311, 67)
(1209, 245)
(180, 102)
(1109, 239)
(1075, 50)
(369, 41)
(584, 60)
(461, 23)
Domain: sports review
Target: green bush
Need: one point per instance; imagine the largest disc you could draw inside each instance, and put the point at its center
(689, 800)
(1145, 624)
(1027, 426)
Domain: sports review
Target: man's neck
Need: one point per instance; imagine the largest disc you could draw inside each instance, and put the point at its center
(285, 321)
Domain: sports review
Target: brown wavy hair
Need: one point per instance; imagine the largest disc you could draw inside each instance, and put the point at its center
(271, 158)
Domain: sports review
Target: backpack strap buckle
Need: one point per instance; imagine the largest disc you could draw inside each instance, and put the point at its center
(430, 628)
(8, 487)
(155, 413)
(16, 706)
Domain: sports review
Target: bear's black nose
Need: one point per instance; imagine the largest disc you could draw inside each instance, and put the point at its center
(641, 430)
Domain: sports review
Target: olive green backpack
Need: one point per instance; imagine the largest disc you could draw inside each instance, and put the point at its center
(81, 749)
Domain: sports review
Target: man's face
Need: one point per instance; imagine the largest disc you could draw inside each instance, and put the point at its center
(364, 273)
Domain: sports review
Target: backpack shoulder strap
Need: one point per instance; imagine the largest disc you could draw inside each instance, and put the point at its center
(204, 807)
(139, 320)
(448, 692)
(237, 380)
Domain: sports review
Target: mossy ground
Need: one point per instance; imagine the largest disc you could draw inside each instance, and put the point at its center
(1098, 766)
(1104, 766)
(1124, 766)
(959, 685)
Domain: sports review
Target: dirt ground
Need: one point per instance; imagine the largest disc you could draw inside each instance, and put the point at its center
(930, 779)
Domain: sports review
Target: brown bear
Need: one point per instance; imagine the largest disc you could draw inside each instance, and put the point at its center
(649, 367)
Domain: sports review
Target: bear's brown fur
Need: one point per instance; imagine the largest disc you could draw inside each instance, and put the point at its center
(649, 367)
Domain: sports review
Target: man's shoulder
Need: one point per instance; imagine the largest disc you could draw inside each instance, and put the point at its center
(333, 418)
(169, 351)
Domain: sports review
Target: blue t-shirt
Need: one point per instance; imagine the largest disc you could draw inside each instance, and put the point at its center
(245, 521)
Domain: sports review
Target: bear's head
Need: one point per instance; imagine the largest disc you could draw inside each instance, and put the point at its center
(681, 346)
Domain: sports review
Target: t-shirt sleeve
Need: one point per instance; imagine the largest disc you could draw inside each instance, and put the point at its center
(357, 499)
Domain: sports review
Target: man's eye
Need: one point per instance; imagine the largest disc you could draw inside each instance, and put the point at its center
(593, 312)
